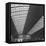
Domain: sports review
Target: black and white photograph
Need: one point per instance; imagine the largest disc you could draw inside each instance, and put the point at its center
(25, 22)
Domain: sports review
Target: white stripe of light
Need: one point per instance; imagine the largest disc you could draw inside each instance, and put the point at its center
(39, 25)
(19, 20)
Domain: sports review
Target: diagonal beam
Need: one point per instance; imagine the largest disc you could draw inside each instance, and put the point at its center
(39, 25)
(33, 17)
